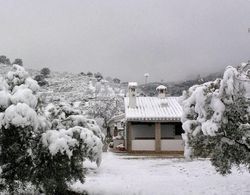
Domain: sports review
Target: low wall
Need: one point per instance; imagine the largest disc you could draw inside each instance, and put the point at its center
(172, 145)
(143, 145)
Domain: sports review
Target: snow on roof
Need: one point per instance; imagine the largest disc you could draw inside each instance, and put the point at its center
(154, 109)
(132, 84)
(117, 118)
(161, 87)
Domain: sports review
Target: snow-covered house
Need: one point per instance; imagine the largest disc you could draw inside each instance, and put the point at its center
(152, 123)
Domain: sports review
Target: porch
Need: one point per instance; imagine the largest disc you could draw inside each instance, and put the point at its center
(154, 137)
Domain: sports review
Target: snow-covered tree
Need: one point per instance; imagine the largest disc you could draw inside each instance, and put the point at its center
(104, 109)
(98, 76)
(41, 146)
(60, 156)
(18, 61)
(116, 80)
(65, 116)
(216, 121)
(89, 74)
(45, 72)
(4, 60)
(63, 149)
(106, 102)
(19, 122)
(41, 80)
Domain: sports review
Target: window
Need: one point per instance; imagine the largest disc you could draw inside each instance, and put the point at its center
(167, 131)
(143, 131)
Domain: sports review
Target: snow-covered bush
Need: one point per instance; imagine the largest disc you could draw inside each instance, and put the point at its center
(216, 121)
(64, 116)
(60, 157)
(62, 150)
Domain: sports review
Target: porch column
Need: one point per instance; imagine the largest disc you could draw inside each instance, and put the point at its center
(158, 137)
(129, 136)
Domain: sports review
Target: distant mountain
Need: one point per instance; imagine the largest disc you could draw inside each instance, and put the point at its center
(176, 88)
(77, 87)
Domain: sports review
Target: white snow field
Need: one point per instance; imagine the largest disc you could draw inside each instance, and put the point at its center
(123, 174)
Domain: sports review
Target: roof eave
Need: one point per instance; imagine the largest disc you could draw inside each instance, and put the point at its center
(177, 119)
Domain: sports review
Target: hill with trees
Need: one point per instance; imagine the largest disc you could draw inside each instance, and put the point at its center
(176, 88)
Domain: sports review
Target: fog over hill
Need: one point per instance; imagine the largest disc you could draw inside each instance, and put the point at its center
(75, 87)
(176, 88)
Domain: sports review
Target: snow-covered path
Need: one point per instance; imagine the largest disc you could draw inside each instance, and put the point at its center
(121, 174)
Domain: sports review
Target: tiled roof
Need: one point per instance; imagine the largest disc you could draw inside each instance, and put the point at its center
(154, 109)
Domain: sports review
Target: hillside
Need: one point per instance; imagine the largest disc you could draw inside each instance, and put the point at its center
(73, 88)
(76, 87)
(176, 88)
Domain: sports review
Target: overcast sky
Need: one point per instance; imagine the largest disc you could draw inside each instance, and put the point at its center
(170, 39)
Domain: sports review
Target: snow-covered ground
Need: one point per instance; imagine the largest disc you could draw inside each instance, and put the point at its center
(122, 174)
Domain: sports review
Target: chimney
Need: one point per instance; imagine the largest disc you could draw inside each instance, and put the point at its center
(162, 91)
(132, 94)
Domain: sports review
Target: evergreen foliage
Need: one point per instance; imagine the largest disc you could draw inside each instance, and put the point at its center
(42, 147)
(45, 72)
(216, 122)
(98, 76)
(89, 74)
(18, 61)
(41, 80)
(4, 60)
